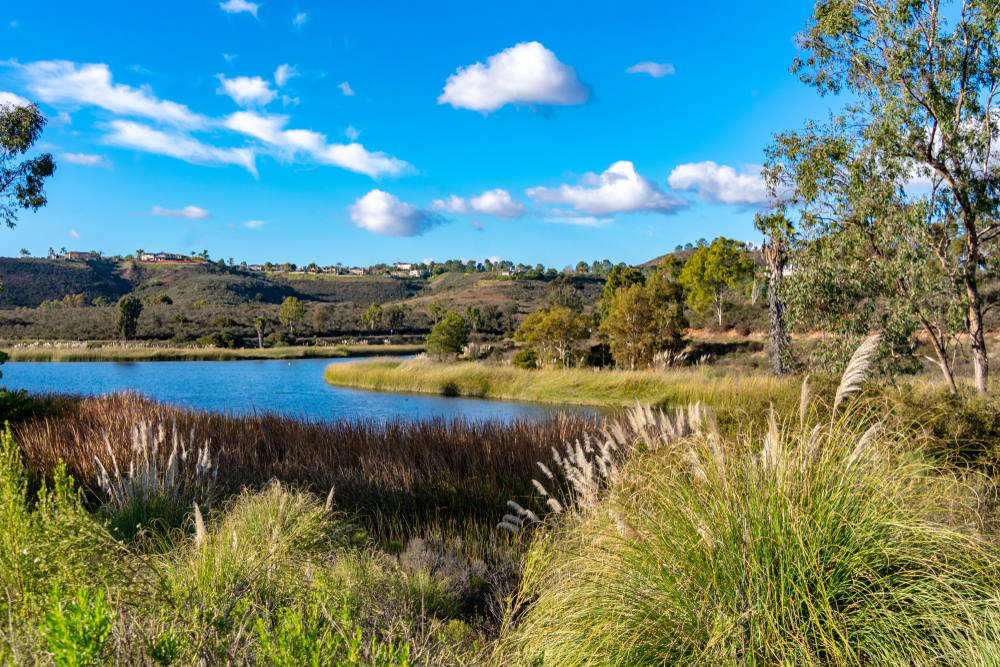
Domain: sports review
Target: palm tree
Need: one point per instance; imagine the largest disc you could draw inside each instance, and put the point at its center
(259, 324)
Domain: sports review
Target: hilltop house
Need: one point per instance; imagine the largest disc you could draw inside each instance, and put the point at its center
(255, 267)
(161, 257)
(73, 254)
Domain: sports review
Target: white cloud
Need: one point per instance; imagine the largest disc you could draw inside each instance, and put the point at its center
(383, 213)
(127, 134)
(497, 203)
(352, 133)
(720, 184)
(580, 220)
(73, 234)
(13, 100)
(346, 89)
(230, 57)
(247, 91)
(620, 189)
(237, 6)
(300, 20)
(60, 81)
(254, 224)
(478, 224)
(286, 100)
(284, 73)
(86, 160)
(62, 118)
(188, 213)
(527, 74)
(270, 130)
(655, 70)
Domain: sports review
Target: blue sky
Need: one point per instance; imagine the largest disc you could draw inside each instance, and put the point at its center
(366, 132)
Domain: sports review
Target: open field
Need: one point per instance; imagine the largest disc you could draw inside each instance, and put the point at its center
(156, 353)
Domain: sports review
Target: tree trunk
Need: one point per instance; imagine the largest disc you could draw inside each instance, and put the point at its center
(779, 340)
(941, 351)
(977, 337)
(260, 338)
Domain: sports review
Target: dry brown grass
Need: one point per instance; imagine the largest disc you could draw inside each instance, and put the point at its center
(403, 470)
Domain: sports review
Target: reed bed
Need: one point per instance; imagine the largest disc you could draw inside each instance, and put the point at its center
(565, 385)
(394, 471)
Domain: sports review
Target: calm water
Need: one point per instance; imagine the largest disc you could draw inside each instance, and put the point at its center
(290, 387)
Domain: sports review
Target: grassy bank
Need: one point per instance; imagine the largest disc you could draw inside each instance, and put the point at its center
(569, 386)
(205, 354)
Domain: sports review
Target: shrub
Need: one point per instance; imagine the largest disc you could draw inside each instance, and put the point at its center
(280, 339)
(77, 631)
(200, 304)
(449, 335)
(599, 356)
(162, 300)
(221, 339)
(527, 359)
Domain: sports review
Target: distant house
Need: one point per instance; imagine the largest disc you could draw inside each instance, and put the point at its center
(256, 267)
(516, 271)
(419, 273)
(358, 271)
(73, 254)
(161, 257)
(403, 266)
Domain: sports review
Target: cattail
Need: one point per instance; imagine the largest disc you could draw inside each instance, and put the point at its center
(199, 526)
(857, 369)
(503, 525)
(531, 516)
(554, 505)
(706, 535)
(510, 518)
(862, 445)
(517, 508)
(539, 487)
(329, 500)
(625, 529)
(545, 470)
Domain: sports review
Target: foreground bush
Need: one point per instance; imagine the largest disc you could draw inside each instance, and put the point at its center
(803, 545)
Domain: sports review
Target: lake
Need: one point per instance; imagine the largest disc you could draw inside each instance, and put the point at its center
(289, 387)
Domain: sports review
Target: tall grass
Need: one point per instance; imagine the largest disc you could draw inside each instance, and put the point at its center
(576, 386)
(811, 543)
(393, 473)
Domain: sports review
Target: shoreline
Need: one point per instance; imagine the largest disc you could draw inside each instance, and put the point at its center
(129, 354)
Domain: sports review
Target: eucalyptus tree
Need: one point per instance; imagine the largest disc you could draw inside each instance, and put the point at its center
(22, 181)
(910, 157)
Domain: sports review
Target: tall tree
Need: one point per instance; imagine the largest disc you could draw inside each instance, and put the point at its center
(127, 316)
(435, 310)
(259, 323)
(924, 77)
(373, 316)
(555, 333)
(713, 269)
(448, 336)
(22, 183)
(777, 230)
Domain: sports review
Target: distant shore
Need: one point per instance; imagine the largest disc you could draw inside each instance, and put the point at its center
(154, 353)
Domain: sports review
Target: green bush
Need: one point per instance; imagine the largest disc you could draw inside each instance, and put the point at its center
(162, 300)
(221, 339)
(280, 339)
(76, 632)
(527, 359)
(449, 335)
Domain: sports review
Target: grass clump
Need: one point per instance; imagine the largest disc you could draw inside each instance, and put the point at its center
(816, 542)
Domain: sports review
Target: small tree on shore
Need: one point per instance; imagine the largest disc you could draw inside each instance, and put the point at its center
(555, 333)
(291, 312)
(711, 271)
(448, 336)
(259, 324)
(373, 316)
(127, 317)
(435, 310)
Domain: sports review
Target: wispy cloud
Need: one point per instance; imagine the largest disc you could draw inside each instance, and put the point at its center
(12, 99)
(188, 213)
(352, 133)
(300, 20)
(346, 89)
(497, 203)
(127, 134)
(254, 224)
(86, 160)
(655, 70)
(230, 57)
(284, 73)
(247, 91)
(73, 234)
(286, 100)
(237, 6)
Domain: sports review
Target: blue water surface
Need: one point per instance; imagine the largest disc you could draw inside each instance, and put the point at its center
(292, 387)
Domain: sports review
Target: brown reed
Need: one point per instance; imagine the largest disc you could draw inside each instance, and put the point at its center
(453, 468)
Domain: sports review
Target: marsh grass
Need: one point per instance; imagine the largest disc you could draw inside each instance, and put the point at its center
(805, 542)
(393, 475)
(161, 353)
(569, 386)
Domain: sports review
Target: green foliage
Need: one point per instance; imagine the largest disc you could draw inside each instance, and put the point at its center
(127, 316)
(280, 339)
(436, 310)
(527, 359)
(643, 319)
(555, 333)
(291, 312)
(711, 270)
(201, 303)
(621, 276)
(223, 322)
(76, 632)
(372, 317)
(162, 300)
(16, 405)
(448, 336)
(23, 183)
(221, 339)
